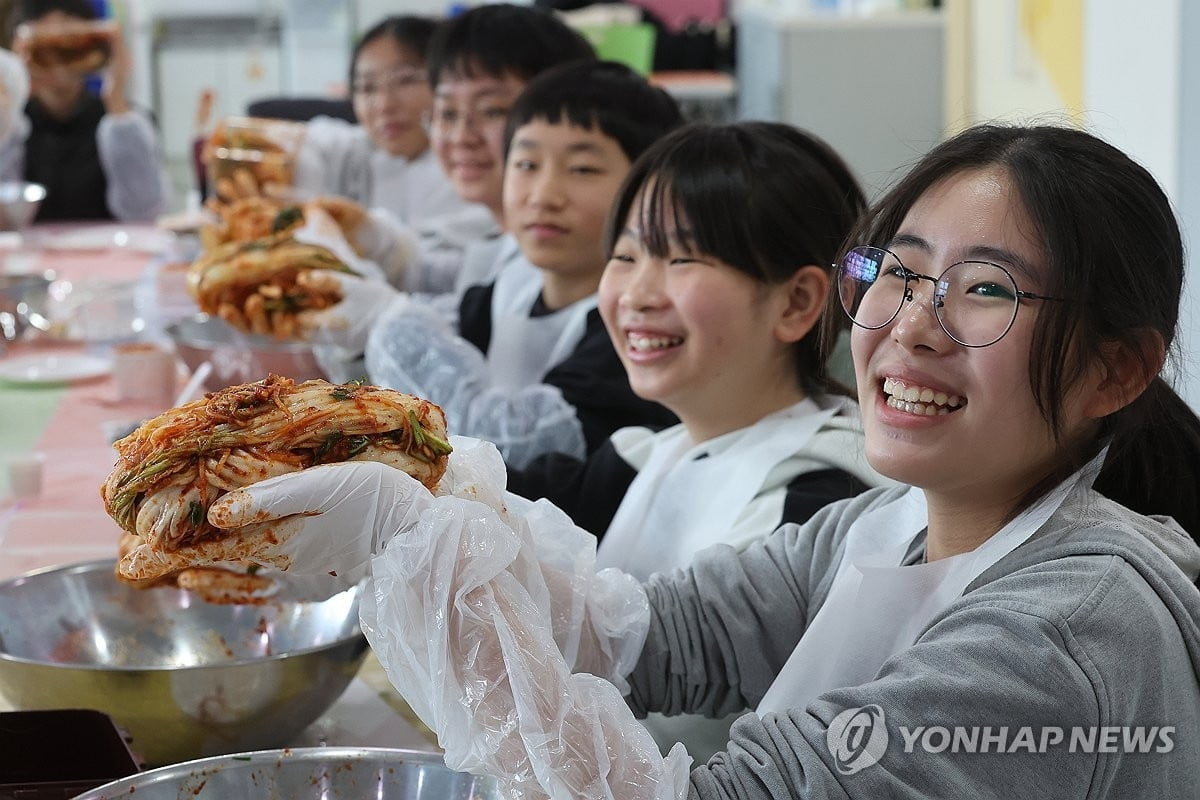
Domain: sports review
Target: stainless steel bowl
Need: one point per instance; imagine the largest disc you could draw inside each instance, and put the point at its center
(183, 677)
(18, 293)
(239, 357)
(19, 202)
(320, 773)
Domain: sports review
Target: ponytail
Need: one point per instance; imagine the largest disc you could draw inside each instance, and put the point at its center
(1153, 463)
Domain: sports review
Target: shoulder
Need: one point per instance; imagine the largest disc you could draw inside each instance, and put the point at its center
(1115, 586)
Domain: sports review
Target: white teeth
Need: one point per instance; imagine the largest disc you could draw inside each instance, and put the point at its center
(642, 343)
(918, 409)
(919, 400)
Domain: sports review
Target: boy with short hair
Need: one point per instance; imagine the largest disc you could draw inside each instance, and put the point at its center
(531, 367)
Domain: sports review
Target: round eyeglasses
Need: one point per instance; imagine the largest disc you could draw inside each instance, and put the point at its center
(975, 302)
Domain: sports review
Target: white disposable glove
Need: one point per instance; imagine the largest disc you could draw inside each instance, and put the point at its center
(327, 519)
(345, 326)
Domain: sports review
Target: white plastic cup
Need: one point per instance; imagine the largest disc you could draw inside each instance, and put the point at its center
(144, 373)
(25, 474)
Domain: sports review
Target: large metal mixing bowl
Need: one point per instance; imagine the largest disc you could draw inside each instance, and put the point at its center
(183, 677)
(239, 357)
(319, 773)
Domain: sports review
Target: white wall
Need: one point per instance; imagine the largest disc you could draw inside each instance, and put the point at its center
(1142, 92)
(1006, 80)
(1189, 196)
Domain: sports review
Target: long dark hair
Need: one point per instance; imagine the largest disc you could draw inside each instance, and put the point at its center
(1113, 247)
(763, 197)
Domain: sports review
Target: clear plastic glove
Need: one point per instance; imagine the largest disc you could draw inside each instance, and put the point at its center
(412, 349)
(473, 608)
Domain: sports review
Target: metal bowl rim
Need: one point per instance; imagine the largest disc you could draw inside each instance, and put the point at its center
(88, 566)
(255, 342)
(318, 754)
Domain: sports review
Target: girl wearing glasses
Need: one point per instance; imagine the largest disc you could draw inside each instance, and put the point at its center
(1022, 621)
(385, 161)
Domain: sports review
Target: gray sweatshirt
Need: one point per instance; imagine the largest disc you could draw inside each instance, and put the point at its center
(1091, 628)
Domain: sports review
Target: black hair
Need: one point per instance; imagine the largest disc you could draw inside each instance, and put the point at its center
(410, 32)
(33, 10)
(600, 95)
(763, 197)
(1113, 248)
(503, 39)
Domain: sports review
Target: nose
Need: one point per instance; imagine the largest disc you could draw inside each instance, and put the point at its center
(545, 188)
(642, 288)
(462, 131)
(916, 326)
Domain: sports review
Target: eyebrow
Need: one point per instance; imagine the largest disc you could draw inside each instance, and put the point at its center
(980, 252)
(526, 143)
(677, 238)
(494, 91)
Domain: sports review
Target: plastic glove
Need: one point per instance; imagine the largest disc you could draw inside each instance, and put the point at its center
(412, 349)
(323, 520)
(470, 611)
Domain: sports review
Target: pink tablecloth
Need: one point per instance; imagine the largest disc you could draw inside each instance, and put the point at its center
(67, 522)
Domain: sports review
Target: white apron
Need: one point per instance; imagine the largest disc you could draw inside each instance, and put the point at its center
(524, 348)
(876, 609)
(680, 503)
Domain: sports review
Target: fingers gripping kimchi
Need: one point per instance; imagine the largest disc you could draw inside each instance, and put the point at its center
(171, 469)
(261, 286)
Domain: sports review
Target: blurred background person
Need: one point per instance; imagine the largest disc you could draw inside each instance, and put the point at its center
(97, 156)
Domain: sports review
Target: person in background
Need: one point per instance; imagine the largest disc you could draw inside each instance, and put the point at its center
(529, 364)
(479, 61)
(1015, 297)
(384, 162)
(715, 315)
(97, 156)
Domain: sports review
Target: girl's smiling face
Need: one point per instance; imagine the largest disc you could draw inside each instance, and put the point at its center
(702, 337)
(994, 444)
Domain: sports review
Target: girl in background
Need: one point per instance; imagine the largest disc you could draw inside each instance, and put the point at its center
(385, 161)
(97, 156)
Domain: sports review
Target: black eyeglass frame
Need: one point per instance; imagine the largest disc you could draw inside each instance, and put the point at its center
(936, 299)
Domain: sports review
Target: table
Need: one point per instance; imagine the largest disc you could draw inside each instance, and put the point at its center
(71, 425)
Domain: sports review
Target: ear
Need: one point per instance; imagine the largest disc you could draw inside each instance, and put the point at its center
(1121, 373)
(806, 292)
